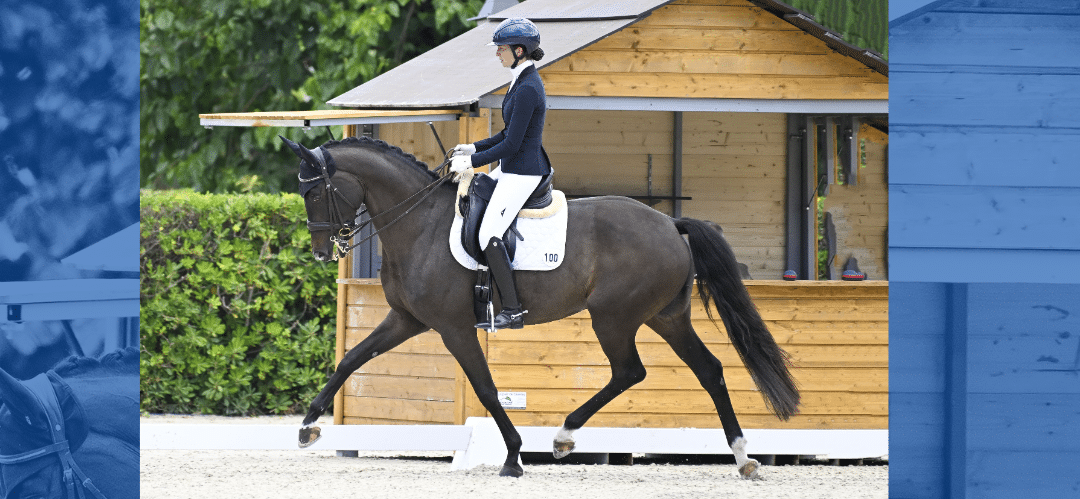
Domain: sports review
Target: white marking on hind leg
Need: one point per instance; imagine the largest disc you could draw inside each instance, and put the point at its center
(748, 468)
(739, 448)
(564, 443)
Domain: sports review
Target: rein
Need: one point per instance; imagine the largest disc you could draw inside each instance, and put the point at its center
(346, 229)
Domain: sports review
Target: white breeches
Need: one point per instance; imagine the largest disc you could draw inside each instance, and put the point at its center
(510, 195)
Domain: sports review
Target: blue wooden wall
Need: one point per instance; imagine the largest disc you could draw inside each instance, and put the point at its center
(984, 250)
(985, 142)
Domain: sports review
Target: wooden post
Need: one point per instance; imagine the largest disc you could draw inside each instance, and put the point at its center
(466, 403)
(809, 221)
(339, 342)
(794, 211)
(830, 153)
(676, 164)
(956, 390)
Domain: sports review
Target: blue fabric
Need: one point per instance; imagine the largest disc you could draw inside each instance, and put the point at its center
(519, 146)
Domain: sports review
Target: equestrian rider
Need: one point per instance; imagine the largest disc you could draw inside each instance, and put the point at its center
(522, 162)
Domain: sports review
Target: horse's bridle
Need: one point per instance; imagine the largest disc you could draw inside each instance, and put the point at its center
(343, 230)
(340, 230)
(43, 389)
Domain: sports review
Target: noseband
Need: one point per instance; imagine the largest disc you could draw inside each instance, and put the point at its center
(343, 230)
(45, 393)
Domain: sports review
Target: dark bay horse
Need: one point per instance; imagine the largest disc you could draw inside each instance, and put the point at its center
(85, 443)
(625, 262)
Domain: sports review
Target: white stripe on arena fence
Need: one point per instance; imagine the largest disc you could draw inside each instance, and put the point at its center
(478, 442)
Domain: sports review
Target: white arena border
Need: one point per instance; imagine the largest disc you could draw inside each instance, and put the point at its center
(479, 442)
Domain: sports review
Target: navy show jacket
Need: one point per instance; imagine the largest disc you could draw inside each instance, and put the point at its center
(519, 145)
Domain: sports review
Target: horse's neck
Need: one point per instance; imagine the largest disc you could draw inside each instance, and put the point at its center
(111, 464)
(110, 400)
(391, 188)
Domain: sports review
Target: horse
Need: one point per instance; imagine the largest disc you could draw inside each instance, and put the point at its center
(72, 432)
(625, 262)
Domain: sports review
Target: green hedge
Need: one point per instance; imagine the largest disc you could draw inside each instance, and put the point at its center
(237, 316)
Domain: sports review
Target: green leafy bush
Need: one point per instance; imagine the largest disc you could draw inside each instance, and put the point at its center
(237, 317)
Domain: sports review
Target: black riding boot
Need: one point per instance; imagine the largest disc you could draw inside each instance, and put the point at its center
(511, 316)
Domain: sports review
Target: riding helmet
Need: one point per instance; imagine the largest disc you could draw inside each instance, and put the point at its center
(517, 31)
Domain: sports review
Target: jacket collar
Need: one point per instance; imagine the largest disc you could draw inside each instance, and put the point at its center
(518, 71)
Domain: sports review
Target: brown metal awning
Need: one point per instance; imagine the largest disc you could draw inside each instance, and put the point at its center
(326, 117)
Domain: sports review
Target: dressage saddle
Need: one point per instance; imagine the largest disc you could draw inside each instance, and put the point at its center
(473, 205)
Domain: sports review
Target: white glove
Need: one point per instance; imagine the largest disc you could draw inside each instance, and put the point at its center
(459, 164)
(464, 150)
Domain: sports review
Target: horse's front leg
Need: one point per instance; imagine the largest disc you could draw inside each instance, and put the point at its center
(464, 346)
(394, 330)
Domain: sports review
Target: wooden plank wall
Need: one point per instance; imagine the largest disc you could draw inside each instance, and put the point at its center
(713, 49)
(417, 139)
(835, 332)
(917, 373)
(988, 138)
(608, 152)
(1023, 352)
(412, 384)
(860, 212)
(734, 169)
(1009, 428)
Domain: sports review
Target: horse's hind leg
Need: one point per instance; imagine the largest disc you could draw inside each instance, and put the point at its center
(616, 335)
(391, 332)
(675, 328)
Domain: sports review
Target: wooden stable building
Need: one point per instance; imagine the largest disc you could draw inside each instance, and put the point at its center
(741, 112)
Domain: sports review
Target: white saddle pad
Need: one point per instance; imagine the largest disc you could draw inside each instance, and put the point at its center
(544, 244)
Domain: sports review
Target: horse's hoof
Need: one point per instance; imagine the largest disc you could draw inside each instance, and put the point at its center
(309, 435)
(749, 470)
(512, 471)
(562, 449)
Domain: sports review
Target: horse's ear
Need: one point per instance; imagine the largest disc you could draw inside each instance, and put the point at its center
(297, 149)
(18, 397)
(301, 152)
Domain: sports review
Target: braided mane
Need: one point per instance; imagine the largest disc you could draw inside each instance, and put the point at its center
(384, 147)
(119, 360)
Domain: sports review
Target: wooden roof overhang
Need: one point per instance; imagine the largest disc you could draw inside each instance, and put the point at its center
(454, 79)
(64, 299)
(327, 117)
(456, 73)
(806, 22)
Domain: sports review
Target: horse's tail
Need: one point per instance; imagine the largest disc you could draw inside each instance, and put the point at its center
(718, 278)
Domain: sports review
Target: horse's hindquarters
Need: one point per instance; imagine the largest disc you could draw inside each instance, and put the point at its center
(620, 254)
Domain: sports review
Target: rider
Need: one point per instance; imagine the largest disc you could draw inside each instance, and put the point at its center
(519, 149)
